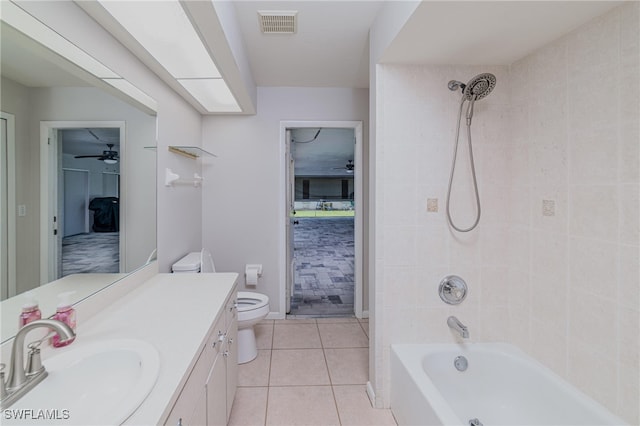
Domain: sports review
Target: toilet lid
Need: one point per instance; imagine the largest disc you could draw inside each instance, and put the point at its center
(248, 301)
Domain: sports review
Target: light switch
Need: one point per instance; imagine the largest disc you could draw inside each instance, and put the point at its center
(22, 210)
(548, 208)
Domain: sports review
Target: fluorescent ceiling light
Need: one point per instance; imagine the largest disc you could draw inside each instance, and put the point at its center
(164, 30)
(213, 94)
(133, 92)
(27, 24)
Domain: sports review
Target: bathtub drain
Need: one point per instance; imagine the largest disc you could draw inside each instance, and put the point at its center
(461, 363)
(475, 422)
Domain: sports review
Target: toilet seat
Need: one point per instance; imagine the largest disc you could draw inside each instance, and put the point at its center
(249, 301)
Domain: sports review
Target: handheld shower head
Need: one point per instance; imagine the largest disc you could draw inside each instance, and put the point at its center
(479, 86)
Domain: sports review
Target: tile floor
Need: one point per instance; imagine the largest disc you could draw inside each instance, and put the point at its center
(91, 253)
(308, 372)
(324, 262)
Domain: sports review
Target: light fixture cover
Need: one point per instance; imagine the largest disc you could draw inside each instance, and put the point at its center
(110, 161)
(165, 31)
(212, 93)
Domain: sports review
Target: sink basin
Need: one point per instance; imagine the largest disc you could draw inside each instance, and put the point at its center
(99, 383)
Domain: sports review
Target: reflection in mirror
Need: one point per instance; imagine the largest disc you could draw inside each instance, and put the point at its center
(77, 204)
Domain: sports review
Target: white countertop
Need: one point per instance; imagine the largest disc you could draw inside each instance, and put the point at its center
(172, 312)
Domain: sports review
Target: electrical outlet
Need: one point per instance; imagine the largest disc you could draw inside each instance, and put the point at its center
(432, 205)
(548, 208)
(22, 210)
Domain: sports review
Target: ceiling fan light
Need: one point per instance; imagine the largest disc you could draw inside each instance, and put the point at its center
(110, 161)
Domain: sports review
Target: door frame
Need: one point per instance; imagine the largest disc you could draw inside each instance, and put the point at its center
(49, 167)
(357, 127)
(11, 203)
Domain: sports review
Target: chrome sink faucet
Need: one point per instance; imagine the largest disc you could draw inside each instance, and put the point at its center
(455, 324)
(20, 381)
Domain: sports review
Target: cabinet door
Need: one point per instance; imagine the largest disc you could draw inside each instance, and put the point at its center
(231, 359)
(199, 416)
(217, 393)
(192, 391)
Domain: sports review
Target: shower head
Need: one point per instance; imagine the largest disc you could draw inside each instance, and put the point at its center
(479, 86)
(455, 85)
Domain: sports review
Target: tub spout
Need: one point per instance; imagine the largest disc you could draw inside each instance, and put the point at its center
(455, 324)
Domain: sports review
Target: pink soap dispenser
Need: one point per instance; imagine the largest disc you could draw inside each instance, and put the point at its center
(30, 310)
(66, 314)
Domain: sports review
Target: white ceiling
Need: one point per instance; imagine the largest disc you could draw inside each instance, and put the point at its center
(83, 142)
(330, 48)
(487, 32)
(326, 155)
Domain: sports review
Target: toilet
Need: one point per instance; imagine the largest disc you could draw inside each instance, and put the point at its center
(252, 307)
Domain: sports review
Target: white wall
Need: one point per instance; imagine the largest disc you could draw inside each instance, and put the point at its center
(179, 212)
(564, 288)
(15, 100)
(242, 190)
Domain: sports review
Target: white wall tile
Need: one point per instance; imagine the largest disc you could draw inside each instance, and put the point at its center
(593, 211)
(593, 267)
(562, 125)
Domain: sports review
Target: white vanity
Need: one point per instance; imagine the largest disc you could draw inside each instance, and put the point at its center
(191, 320)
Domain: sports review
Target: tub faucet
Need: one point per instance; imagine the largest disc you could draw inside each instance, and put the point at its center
(455, 324)
(20, 381)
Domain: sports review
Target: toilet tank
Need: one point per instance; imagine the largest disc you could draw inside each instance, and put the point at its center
(188, 264)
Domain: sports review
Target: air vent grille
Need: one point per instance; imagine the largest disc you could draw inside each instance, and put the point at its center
(277, 21)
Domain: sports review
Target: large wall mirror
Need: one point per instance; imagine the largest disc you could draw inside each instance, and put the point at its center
(77, 181)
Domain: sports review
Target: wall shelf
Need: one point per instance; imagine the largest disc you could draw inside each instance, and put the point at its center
(192, 152)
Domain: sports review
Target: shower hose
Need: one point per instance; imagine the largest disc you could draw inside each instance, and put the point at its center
(473, 168)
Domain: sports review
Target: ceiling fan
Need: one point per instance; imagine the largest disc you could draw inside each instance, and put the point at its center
(109, 156)
(348, 167)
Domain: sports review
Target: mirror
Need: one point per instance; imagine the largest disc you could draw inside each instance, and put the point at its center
(51, 114)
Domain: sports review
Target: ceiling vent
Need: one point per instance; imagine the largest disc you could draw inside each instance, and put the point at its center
(277, 21)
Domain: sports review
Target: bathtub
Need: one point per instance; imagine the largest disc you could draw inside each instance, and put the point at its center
(501, 386)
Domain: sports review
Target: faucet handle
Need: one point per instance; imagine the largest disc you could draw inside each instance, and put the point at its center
(34, 360)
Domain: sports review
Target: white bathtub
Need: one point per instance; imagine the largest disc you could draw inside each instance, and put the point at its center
(501, 386)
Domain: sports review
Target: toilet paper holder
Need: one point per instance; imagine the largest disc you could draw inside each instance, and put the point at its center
(251, 273)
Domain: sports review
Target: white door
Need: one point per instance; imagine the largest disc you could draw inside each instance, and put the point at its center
(291, 211)
(4, 229)
(76, 202)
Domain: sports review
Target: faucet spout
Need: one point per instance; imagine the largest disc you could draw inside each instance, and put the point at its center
(17, 377)
(455, 324)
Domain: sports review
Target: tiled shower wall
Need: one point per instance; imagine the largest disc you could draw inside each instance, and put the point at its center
(553, 266)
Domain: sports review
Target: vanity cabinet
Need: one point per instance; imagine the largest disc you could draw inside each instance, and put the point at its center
(207, 396)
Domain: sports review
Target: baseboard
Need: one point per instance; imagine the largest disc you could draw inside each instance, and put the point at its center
(365, 314)
(275, 316)
(371, 394)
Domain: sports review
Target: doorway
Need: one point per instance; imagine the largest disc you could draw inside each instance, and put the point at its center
(323, 230)
(81, 208)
